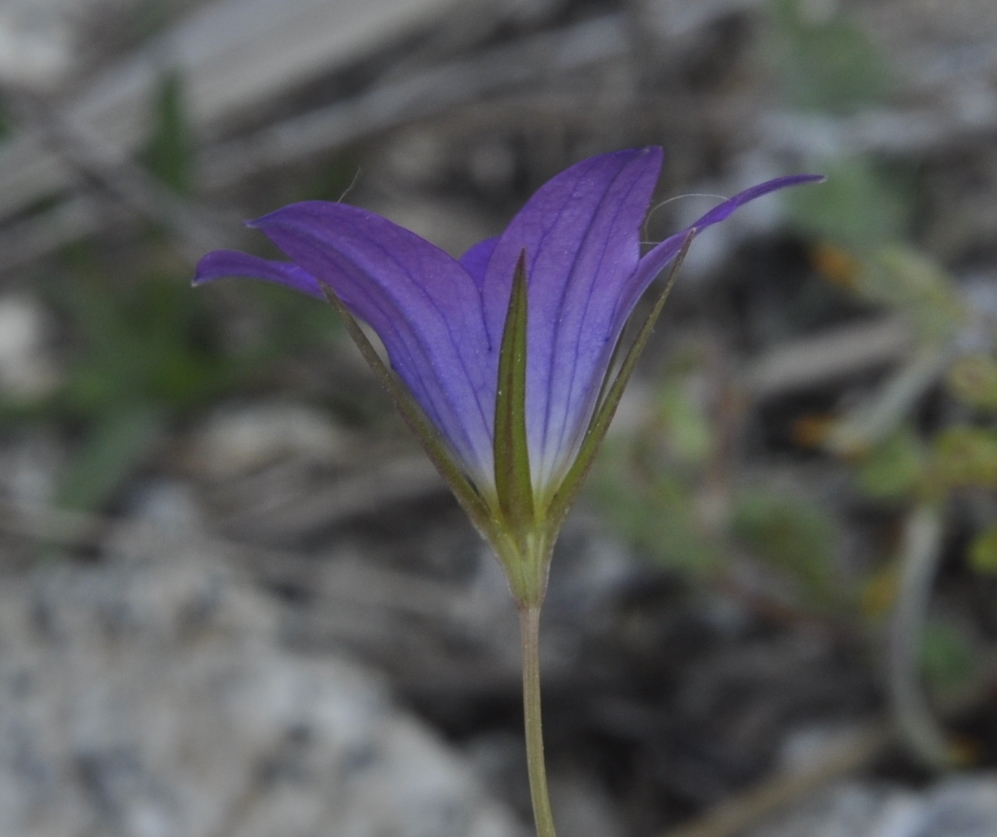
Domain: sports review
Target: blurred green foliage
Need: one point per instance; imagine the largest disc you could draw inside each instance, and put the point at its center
(861, 206)
(147, 342)
(983, 551)
(147, 351)
(169, 153)
(669, 488)
(862, 221)
(966, 456)
(655, 508)
(113, 446)
(827, 62)
(893, 469)
(798, 538)
(647, 481)
(676, 487)
(948, 657)
(910, 283)
(147, 354)
(973, 380)
(898, 460)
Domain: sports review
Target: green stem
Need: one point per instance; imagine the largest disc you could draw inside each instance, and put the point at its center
(529, 626)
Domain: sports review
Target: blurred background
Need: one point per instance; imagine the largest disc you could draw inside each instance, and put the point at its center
(235, 598)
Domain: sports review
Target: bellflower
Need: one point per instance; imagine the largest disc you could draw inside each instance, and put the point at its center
(503, 356)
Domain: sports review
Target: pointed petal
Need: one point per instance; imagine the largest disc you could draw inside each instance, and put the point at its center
(726, 209)
(652, 263)
(581, 233)
(225, 263)
(423, 305)
(475, 261)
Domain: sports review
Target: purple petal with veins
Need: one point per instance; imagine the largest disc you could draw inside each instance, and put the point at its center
(441, 320)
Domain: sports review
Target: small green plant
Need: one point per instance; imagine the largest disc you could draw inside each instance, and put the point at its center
(827, 62)
(701, 515)
(671, 488)
(145, 353)
(169, 153)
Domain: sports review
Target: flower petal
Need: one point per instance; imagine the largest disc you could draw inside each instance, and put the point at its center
(652, 263)
(726, 209)
(224, 263)
(423, 305)
(475, 261)
(581, 233)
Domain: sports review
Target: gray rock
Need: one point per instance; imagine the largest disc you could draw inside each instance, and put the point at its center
(235, 441)
(27, 370)
(147, 698)
(961, 806)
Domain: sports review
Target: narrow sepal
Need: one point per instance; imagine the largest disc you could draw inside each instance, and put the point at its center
(513, 483)
(567, 492)
(430, 439)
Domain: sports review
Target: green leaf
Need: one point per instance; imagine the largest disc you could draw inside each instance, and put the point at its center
(143, 342)
(567, 492)
(917, 285)
(513, 483)
(111, 451)
(793, 535)
(169, 154)
(861, 206)
(895, 467)
(973, 379)
(983, 551)
(657, 511)
(948, 657)
(966, 457)
(686, 427)
(827, 62)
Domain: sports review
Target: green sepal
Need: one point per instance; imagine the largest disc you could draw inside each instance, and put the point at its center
(513, 483)
(568, 490)
(435, 446)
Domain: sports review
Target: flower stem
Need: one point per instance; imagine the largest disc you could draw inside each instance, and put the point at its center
(529, 626)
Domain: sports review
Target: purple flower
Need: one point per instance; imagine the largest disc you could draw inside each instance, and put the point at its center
(442, 320)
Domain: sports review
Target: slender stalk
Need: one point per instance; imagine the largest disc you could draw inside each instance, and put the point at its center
(917, 723)
(529, 626)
